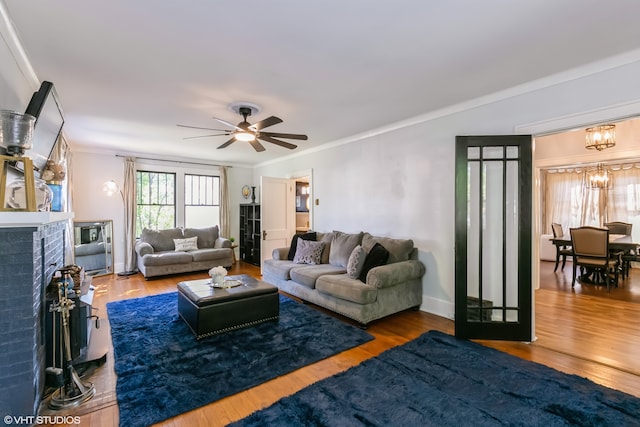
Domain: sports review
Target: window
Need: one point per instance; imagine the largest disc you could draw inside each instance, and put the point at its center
(568, 202)
(201, 200)
(156, 201)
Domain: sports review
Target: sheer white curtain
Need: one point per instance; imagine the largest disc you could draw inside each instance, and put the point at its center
(225, 208)
(564, 199)
(567, 201)
(623, 202)
(129, 198)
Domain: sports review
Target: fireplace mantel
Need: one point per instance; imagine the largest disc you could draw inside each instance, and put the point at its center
(32, 219)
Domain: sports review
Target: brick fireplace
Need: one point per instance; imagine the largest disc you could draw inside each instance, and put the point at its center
(32, 246)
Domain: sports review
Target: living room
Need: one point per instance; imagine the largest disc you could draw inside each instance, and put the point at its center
(395, 178)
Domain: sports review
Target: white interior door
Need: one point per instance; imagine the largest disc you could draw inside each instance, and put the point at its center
(278, 214)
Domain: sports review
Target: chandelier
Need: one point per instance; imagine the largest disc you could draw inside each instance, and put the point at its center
(601, 137)
(599, 178)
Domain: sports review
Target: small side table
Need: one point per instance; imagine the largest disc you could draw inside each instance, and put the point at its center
(233, 251)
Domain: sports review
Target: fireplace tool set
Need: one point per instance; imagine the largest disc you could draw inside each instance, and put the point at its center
(72, 391)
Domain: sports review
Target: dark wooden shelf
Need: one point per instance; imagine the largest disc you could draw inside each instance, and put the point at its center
(250, 233)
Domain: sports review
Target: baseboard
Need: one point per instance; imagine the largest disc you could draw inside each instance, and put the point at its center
(438, 307)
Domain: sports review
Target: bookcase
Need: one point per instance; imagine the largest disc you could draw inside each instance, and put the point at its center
(250, 230)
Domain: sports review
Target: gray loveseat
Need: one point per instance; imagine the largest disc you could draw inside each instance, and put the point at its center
(178, 250)
(394, 285)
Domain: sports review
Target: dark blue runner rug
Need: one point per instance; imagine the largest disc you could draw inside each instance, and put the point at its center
(163, 371)
(437, 380)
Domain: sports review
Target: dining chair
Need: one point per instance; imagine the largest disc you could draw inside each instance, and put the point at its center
(619, 227)
(591, 253)
(561, 250)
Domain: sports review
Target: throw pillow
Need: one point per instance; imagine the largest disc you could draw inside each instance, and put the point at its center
(186, 245)
(356, 262)
(376, 257)
(308, 252)
(294, 242)
(341, 247)
(399, 249)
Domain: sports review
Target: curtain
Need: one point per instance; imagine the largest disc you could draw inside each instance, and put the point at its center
(567, 201)
(129, 199)
(563, 201)
(225, 204)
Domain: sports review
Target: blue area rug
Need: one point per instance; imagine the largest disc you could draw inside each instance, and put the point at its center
(437, 380)
(163, 371)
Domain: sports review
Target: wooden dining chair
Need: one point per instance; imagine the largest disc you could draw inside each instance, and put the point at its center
(561, 250)
(591, 253)
(619, 227)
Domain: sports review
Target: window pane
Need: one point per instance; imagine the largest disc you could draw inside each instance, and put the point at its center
(202, 200)
(156, 200)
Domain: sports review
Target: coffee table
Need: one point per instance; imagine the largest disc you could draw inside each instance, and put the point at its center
(209, 311)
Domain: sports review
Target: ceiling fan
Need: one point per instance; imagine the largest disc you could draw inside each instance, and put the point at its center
(251, 133)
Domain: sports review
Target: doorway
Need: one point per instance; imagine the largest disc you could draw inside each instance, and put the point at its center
(559, 336)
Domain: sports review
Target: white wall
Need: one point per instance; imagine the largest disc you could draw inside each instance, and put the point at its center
(401, 183)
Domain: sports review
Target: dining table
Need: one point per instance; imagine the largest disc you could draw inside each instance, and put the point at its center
(617, 243)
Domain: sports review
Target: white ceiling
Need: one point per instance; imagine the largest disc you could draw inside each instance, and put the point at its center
(128, 71)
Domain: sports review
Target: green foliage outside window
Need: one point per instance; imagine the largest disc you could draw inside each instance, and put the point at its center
(155, 200)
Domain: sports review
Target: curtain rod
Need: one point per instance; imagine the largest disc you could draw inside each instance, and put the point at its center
(174, 161)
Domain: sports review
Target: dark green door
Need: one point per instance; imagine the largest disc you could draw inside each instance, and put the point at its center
(493, 297)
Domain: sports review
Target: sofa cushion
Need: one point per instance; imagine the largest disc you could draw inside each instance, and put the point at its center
(207, 236)
(278, 268)
(399, 249)
(342, 245)
(167, 258)
(186, 245)
(356, 262)
(161, 240)
(343, 287)
(376, 257)
(210, 254)
(325, 238)
(294, 242)
(308, 252)
(308, 274)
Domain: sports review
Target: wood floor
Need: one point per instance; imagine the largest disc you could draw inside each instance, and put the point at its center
(582, 331)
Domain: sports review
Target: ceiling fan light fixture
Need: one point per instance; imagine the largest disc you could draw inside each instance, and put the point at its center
(244, 136)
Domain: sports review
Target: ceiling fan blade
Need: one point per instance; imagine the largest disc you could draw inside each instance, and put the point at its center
(205, 136)
(228, 143)
(256, 145)
(276, 141)
(224, 122)
(269, 121)
(196, 127)
(285, 135)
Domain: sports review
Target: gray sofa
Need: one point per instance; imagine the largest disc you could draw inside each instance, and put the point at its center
(329, 281)
(178, 250)
(93, 256)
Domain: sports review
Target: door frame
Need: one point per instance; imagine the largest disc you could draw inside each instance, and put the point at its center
(613, 113)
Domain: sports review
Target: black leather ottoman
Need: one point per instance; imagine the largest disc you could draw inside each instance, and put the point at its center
(210, 311)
